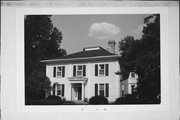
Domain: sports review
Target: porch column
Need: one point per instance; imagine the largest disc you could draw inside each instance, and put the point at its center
(82, 91)
(70, 90)
(55, 90)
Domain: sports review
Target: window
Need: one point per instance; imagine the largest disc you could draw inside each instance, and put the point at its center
(102, 89)
(101, 69)
(132, 88)
(59, 71)
(122, 89)
(79, 70)
(132, 74)
(60, 89)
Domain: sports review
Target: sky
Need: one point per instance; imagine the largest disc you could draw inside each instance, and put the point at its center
(80, 31)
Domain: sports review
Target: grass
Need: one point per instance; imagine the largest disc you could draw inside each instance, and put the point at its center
(48, 102)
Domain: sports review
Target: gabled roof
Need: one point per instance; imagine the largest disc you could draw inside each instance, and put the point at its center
(87, 53)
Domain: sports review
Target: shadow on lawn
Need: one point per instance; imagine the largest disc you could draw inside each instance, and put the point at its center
(48, 102)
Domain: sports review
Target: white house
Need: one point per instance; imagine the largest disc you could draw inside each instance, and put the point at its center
(85, 74)
(128, 85)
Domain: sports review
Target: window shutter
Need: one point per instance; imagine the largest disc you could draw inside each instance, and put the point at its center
(63, 89)
(96, 89)
(54, 72)
(96, 70)
(84, 70)
(107, 69)
(74, 70)
(54, 88)
(63, 71)
(107, 90)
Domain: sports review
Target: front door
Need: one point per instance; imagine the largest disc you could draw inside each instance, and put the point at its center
(79, 91)
(77, 94)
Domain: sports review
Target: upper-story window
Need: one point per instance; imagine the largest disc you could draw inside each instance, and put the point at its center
(79, 70)
(59, 71)
(101, 69)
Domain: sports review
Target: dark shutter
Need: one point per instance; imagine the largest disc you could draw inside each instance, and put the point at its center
(107, 90)
(63, 71)
(63, 89)
(54, 72)
(54, 88)
(96, 70)
(107, 69)
(96, 89)
(74, 70)
(84, 70)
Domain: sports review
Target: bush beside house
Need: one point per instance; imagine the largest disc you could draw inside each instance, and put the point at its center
(53, 97)
(98, 100)
(131, 99)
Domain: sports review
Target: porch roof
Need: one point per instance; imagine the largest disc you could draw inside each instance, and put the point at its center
(78, 79)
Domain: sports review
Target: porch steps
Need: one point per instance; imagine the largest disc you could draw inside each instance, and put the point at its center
(79, 102)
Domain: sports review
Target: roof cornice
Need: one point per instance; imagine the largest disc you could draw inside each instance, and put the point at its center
(109, 57)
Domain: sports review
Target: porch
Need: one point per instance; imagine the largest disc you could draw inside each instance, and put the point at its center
(77, 86)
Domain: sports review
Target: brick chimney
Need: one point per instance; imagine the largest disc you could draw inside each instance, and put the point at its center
(112, 44)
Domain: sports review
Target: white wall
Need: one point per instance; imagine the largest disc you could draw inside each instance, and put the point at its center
(112, 79)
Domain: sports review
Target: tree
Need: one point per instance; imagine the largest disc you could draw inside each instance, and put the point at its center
(42, 41)
(149, 84)
(37, 85)
(144, 56)
(126, 47)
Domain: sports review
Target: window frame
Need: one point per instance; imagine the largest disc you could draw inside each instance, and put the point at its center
(79, 70)
(60, 89)
(122, 89)
(132, 74)
(102, 68)
(99, 69)
(57, 70)
(99, 88)
(133, 88)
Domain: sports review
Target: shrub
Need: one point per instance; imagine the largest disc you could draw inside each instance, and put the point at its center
(63, 99)
(85, 99)
(131, 99)
(53, 97)
(37, 85)
(98, 100)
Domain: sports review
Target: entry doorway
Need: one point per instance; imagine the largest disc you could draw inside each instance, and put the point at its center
(79, 93)
(76, 91)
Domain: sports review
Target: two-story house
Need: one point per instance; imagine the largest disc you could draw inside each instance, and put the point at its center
(85, 74)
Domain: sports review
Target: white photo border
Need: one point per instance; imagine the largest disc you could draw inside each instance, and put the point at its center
(163, 106)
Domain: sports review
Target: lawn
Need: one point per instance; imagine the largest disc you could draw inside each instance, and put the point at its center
(48, 102)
